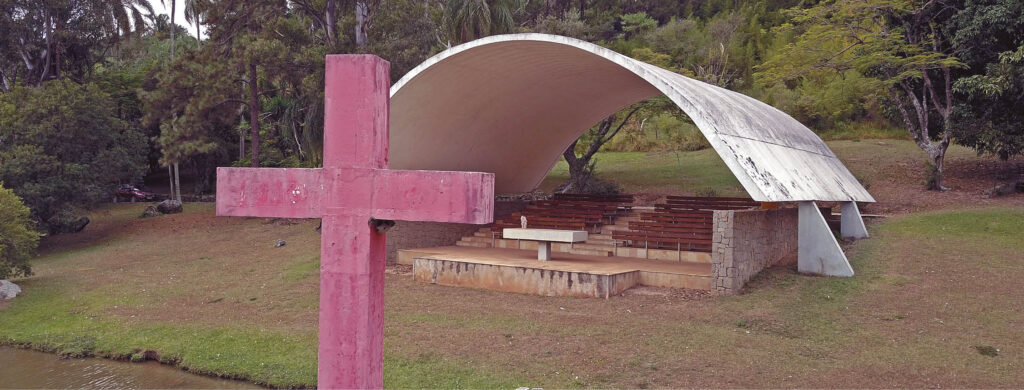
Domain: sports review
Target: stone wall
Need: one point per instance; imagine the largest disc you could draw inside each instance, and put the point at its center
(744, 242)
(409, 235)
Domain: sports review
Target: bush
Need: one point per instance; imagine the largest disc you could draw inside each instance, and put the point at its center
(18, 241)
(592, 185)
(65, 147)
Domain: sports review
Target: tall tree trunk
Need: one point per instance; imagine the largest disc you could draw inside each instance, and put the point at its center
(177, 183)
(241, 139)
(919, 132)
(199, 41)
(170, 176)
(254, 116)
(48, 52)
(172, 28)
(581, 168)
(583, 9)
(331, 21)
(175, 191)
(362, 19)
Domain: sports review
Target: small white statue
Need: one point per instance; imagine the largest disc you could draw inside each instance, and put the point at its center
(522, 221)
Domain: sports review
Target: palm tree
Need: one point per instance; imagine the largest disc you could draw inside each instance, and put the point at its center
(172, 170)
(128, 16)
(194, 12)
(471, 19)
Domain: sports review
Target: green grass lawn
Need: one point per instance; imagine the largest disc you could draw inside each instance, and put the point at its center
(695, 172)
(885, 162)
(956, 275)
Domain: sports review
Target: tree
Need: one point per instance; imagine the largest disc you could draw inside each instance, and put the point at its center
(581, 168)
(44, 40)
(261, 63)
(18, 241)
(194, 10)
(636, 24)
(172, 168)
(467, 20)
(988, 35)
(894, 42)
(65, 147)
(992, 116)
(364, 19)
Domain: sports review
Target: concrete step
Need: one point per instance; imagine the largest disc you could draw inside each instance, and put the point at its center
(599, 236)
(590, 252)
(486, 234)
(609, 230)
(485, 240)
(609, 241)
(588, 245)
(473, 244)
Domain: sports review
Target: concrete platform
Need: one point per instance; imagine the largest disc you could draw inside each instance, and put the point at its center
(566, 274)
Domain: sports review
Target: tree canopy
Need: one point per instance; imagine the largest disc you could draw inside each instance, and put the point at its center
(90, 98)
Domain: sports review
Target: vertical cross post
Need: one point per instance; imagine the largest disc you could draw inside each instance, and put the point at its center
(352, 191)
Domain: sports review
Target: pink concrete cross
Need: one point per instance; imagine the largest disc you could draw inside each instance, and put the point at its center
(354, 186)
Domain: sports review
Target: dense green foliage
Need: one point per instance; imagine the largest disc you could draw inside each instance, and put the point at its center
(989, 37)
(904, 53)
(18, 240)
(63, 145)
(250, 93)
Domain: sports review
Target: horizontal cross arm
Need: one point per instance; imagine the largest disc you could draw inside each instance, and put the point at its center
(270, 192)
(435, 196)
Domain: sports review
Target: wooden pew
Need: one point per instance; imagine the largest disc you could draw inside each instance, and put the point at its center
(711, 203)
(617, 198)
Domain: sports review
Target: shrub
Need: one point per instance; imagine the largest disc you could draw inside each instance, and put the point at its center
(64, 147)
(18, 241)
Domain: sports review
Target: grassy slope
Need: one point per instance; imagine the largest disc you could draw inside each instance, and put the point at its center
(884, 164)
(213, 295)
(209, 294)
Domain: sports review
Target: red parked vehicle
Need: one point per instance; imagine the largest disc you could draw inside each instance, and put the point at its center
(128, 192)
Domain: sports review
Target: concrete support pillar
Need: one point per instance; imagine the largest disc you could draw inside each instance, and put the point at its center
(543, 250)
(852, 224)
(819, 252)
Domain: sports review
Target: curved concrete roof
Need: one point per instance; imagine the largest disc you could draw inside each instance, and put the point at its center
(510, 104)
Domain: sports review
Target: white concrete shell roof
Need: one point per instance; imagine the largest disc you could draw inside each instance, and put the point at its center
(510, 104)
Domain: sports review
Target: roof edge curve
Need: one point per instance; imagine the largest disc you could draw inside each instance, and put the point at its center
(774, 157)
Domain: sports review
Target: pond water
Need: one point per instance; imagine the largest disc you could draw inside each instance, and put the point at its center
(25, 369)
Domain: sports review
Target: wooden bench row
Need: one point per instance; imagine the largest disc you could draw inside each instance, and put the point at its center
(709, 198)
(709, 203)
(512, 221)
(571, 212)
(700, 206)
(618, 198)
(665, 240)
(670, 227)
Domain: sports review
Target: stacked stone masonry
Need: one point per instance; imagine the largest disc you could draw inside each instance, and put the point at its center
(744, 242)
